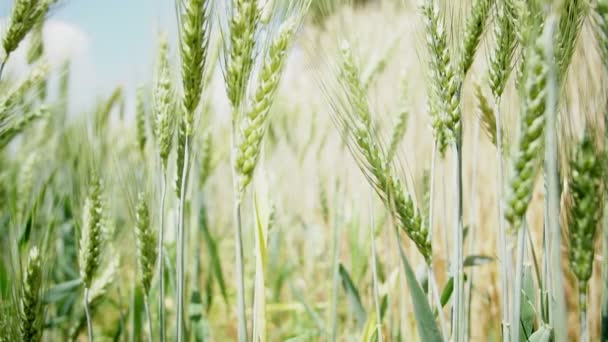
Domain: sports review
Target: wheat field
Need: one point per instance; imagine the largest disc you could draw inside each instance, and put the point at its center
(312, 170)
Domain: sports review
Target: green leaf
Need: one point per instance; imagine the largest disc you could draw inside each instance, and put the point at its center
(60, 291)
(528, 313)
(446, 294)
(543, 334)
(352, 294)
(477, 260)
(216, 265)
(425, 320)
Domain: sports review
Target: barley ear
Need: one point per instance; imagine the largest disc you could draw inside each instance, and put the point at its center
(91, 239)
(146, 243)
(256, 120)
(30, 314)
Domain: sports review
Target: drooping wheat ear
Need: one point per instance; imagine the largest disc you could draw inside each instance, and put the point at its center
(586, 210)
(352, 115)
(601, 17)
(528, 158)
(163, 102)
(140, 118)
(570, 23)
(398, 134)
(13, 126)
(443, 100)
(475, 26)
(18, 94)
(24, 16)
(486, 114)
(502, 53)
(146, 243)
(256, 120)
(243, 25)
(195, 32)
(206, 163)
(92, 235)
(36, 48)
(30, 315)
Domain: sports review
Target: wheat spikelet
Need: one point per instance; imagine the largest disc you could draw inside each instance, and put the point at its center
(193, 47)
(398, 134)
(255, 122)
(570, 24)
(36, 48)
(352, 115)
(585, 211)
(530, 146)
(146, 243)
(443, 101)
(24, 16)
(140, 119)
(163, 102)
(91, 239)
(15, 125)
(475, 26)
(486, 114)
(502, 54)
(30, 314)
(243, 25)
(206, 154)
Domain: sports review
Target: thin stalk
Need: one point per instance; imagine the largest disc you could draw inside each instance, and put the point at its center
(502, 236)
(584, 324)
(437, 300)
(557, 295)
(544, 299)
(238, 236)
(87, 311)
(458, 238)
(240, 274)
(374, 269)
(521, 246)
(432, 190)
(161, 260)
(149, 317)
(2, 66)
(181, 238)
(471, 234)
(335, 279)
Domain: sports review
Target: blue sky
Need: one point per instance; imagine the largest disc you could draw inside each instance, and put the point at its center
(121, 33)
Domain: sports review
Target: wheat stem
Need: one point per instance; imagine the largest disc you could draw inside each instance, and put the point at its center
(584, 322)
(88, 314)
(181, 245)
(521, 246)
(502, 236)
(240, 274)
(375, 282)
(148, 316)
(161, 260)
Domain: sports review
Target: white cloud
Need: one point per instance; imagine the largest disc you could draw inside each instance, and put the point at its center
(62, 41)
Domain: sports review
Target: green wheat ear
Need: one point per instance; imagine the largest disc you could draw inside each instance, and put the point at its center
(146, 243)
(30, 314)
(585, 212)
(502, 53)
(24, 16)
(243, 25)
(140, 119)
(444, 104)
(475, 26)
(256, 119)
(163, 102)
(92, 239)
(530, 146)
